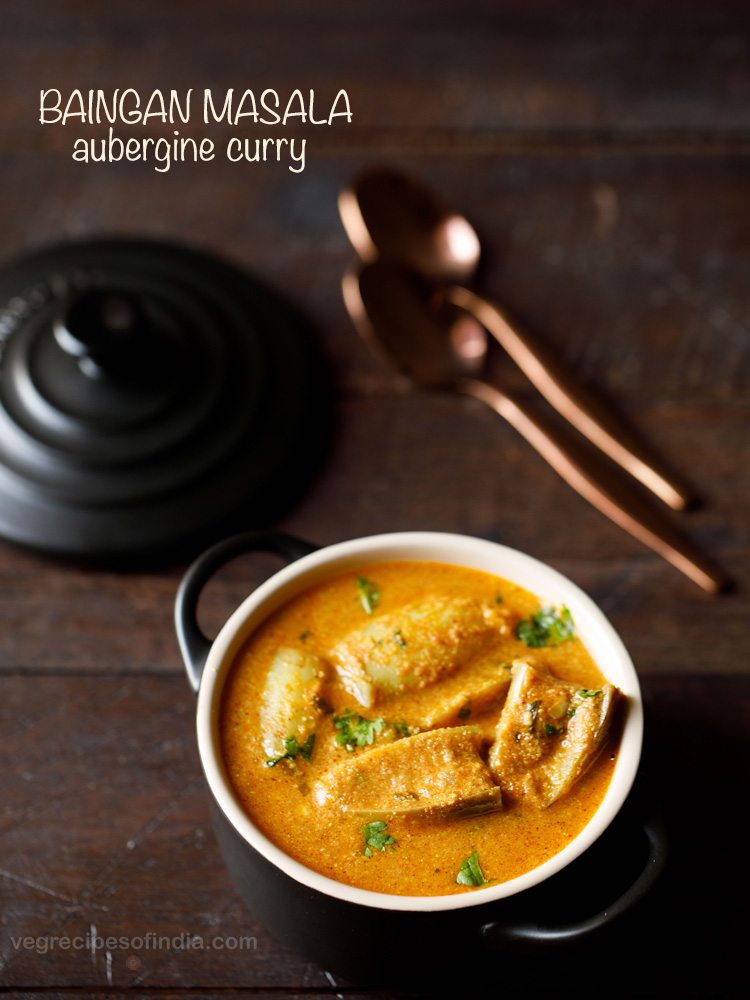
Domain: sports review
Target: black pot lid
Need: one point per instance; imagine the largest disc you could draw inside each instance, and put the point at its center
(149, 395)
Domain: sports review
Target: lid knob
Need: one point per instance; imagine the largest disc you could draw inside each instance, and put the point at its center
(151, 397)
(107, 331)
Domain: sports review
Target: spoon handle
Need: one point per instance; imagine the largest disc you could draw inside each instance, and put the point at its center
(572, 399)
(615, 499)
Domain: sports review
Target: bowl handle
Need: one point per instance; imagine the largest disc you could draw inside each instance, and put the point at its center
(194, 645)
(534, 936)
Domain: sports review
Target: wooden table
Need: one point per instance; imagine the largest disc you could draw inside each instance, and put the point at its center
(604, 155)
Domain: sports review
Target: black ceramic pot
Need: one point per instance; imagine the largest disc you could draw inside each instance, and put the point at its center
(574, 902)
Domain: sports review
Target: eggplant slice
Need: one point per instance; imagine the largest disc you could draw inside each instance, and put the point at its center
(548, 734)
(290, 704)
(440, 772)
(416, 646)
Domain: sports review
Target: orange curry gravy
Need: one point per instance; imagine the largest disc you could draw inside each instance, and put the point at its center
(428, 851)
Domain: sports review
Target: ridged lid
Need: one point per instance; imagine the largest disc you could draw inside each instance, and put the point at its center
(148, 394)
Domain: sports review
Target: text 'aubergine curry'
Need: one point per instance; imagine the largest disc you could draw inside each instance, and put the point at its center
(418, 728)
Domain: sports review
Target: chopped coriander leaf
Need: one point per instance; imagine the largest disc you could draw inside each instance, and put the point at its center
(586, 693)
(546, 627)
(369, 594)
(305, 751)
(400, 728)
(305, 635)
(377, 837)
(498, 598)
(293, 748)
(465, 711)
(470, 872)
(356, 731)
(550, 730)
(399, 639)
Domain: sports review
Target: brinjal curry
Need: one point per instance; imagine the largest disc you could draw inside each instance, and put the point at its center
(418, 728)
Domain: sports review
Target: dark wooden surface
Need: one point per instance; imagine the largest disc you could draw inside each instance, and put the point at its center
(603, 153)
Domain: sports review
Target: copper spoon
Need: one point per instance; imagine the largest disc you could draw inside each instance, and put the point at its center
(388, 214)
(436, 348)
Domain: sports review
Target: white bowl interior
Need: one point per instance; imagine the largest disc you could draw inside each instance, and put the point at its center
(550, 586)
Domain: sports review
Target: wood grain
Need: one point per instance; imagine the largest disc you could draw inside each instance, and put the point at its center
(457, 69)
(602, 152)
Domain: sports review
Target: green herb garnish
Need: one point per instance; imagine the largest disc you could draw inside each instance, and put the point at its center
(550, 730)
(465, 712)
(470, 873)
(546, 627)
(293, 748)
(399, 639)
(498, 598)
(355, 730)
(305, 635)
(377, 837)
(369, 594)
(585, 693)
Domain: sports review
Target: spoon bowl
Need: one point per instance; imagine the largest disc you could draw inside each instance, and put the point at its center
(387, 214)
(427, 339)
